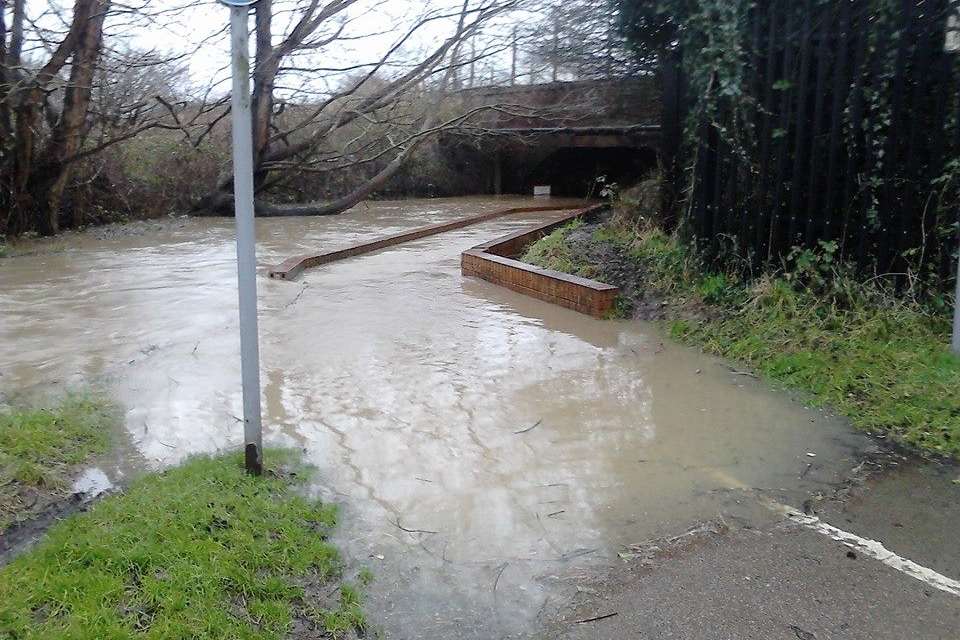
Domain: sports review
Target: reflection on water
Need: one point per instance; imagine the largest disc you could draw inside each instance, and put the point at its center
(414, 391)
(91, 483)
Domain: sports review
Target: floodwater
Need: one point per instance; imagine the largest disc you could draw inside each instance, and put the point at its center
(485, 447)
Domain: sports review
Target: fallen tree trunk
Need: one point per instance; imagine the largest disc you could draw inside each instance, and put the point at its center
(269, 157)
(220, 203)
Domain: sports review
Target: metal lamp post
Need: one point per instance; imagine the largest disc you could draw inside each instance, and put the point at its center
(246, 239)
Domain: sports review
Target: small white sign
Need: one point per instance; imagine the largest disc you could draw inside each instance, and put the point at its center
(541, 190)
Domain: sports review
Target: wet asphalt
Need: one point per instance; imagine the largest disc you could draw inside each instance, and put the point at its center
(784, 581)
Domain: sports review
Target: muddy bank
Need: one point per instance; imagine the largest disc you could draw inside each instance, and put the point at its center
(44, 512)
(58, 453)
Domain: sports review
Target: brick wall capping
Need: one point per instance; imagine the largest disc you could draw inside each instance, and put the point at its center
(290, 268)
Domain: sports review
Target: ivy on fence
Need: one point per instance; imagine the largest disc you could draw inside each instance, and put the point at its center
(811, 121)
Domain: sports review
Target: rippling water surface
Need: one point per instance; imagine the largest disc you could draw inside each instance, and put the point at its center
(407, 385)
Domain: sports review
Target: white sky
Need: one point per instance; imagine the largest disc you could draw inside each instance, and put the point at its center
(200, 26)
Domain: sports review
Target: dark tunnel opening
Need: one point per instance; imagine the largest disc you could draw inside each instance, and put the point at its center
(573, 171)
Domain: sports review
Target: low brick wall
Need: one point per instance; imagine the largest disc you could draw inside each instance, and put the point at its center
(291, 267)
(494, 261)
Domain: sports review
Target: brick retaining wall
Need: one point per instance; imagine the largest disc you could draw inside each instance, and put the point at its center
(494, 261)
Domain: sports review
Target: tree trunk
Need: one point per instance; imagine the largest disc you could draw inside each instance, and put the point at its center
(36, 183)
(265, 70)
(68, 134)
(344, 202)
(267, 66)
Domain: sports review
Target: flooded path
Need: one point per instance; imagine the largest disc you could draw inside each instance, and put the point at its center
(483, 445)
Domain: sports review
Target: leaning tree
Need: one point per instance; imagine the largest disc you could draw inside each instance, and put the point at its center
(382, 105)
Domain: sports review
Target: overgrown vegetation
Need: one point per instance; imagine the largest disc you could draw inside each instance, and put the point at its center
(199, 551)
(877, 356)
(40, 447)
(786, 123)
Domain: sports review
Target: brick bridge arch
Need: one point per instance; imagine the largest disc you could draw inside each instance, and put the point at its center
(564, 134)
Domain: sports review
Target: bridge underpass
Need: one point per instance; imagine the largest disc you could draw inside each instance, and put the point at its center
(562, 134)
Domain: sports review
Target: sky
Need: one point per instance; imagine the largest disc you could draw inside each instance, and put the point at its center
(199, 27)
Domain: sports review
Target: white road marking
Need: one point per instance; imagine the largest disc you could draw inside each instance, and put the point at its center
(872, 548)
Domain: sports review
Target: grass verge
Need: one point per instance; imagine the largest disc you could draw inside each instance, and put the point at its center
(202, 550)
(875, 357)
(39, 448)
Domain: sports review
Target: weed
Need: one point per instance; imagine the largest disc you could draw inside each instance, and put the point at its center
(553, 252)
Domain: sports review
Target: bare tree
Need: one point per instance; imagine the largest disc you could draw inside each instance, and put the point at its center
(584, 41)
(388, 109)
(58, 84)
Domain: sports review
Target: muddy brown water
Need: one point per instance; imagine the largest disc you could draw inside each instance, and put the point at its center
(414, 391)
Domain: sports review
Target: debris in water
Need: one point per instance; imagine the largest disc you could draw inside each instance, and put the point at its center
(595, 618)
(801, 634)
(811, 455)
(742, 373)
(535, 425)
(403, 528)
(92, 482)
(577, 553)
(496, 581)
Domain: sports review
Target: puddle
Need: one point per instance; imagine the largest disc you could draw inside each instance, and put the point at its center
(416, 391)
(91, 483)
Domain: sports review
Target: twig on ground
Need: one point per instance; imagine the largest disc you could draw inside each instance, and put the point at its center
(742, 373)
(422, 479)
(403, 528)
(555, 513)
(595, 618)
(535, 425)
